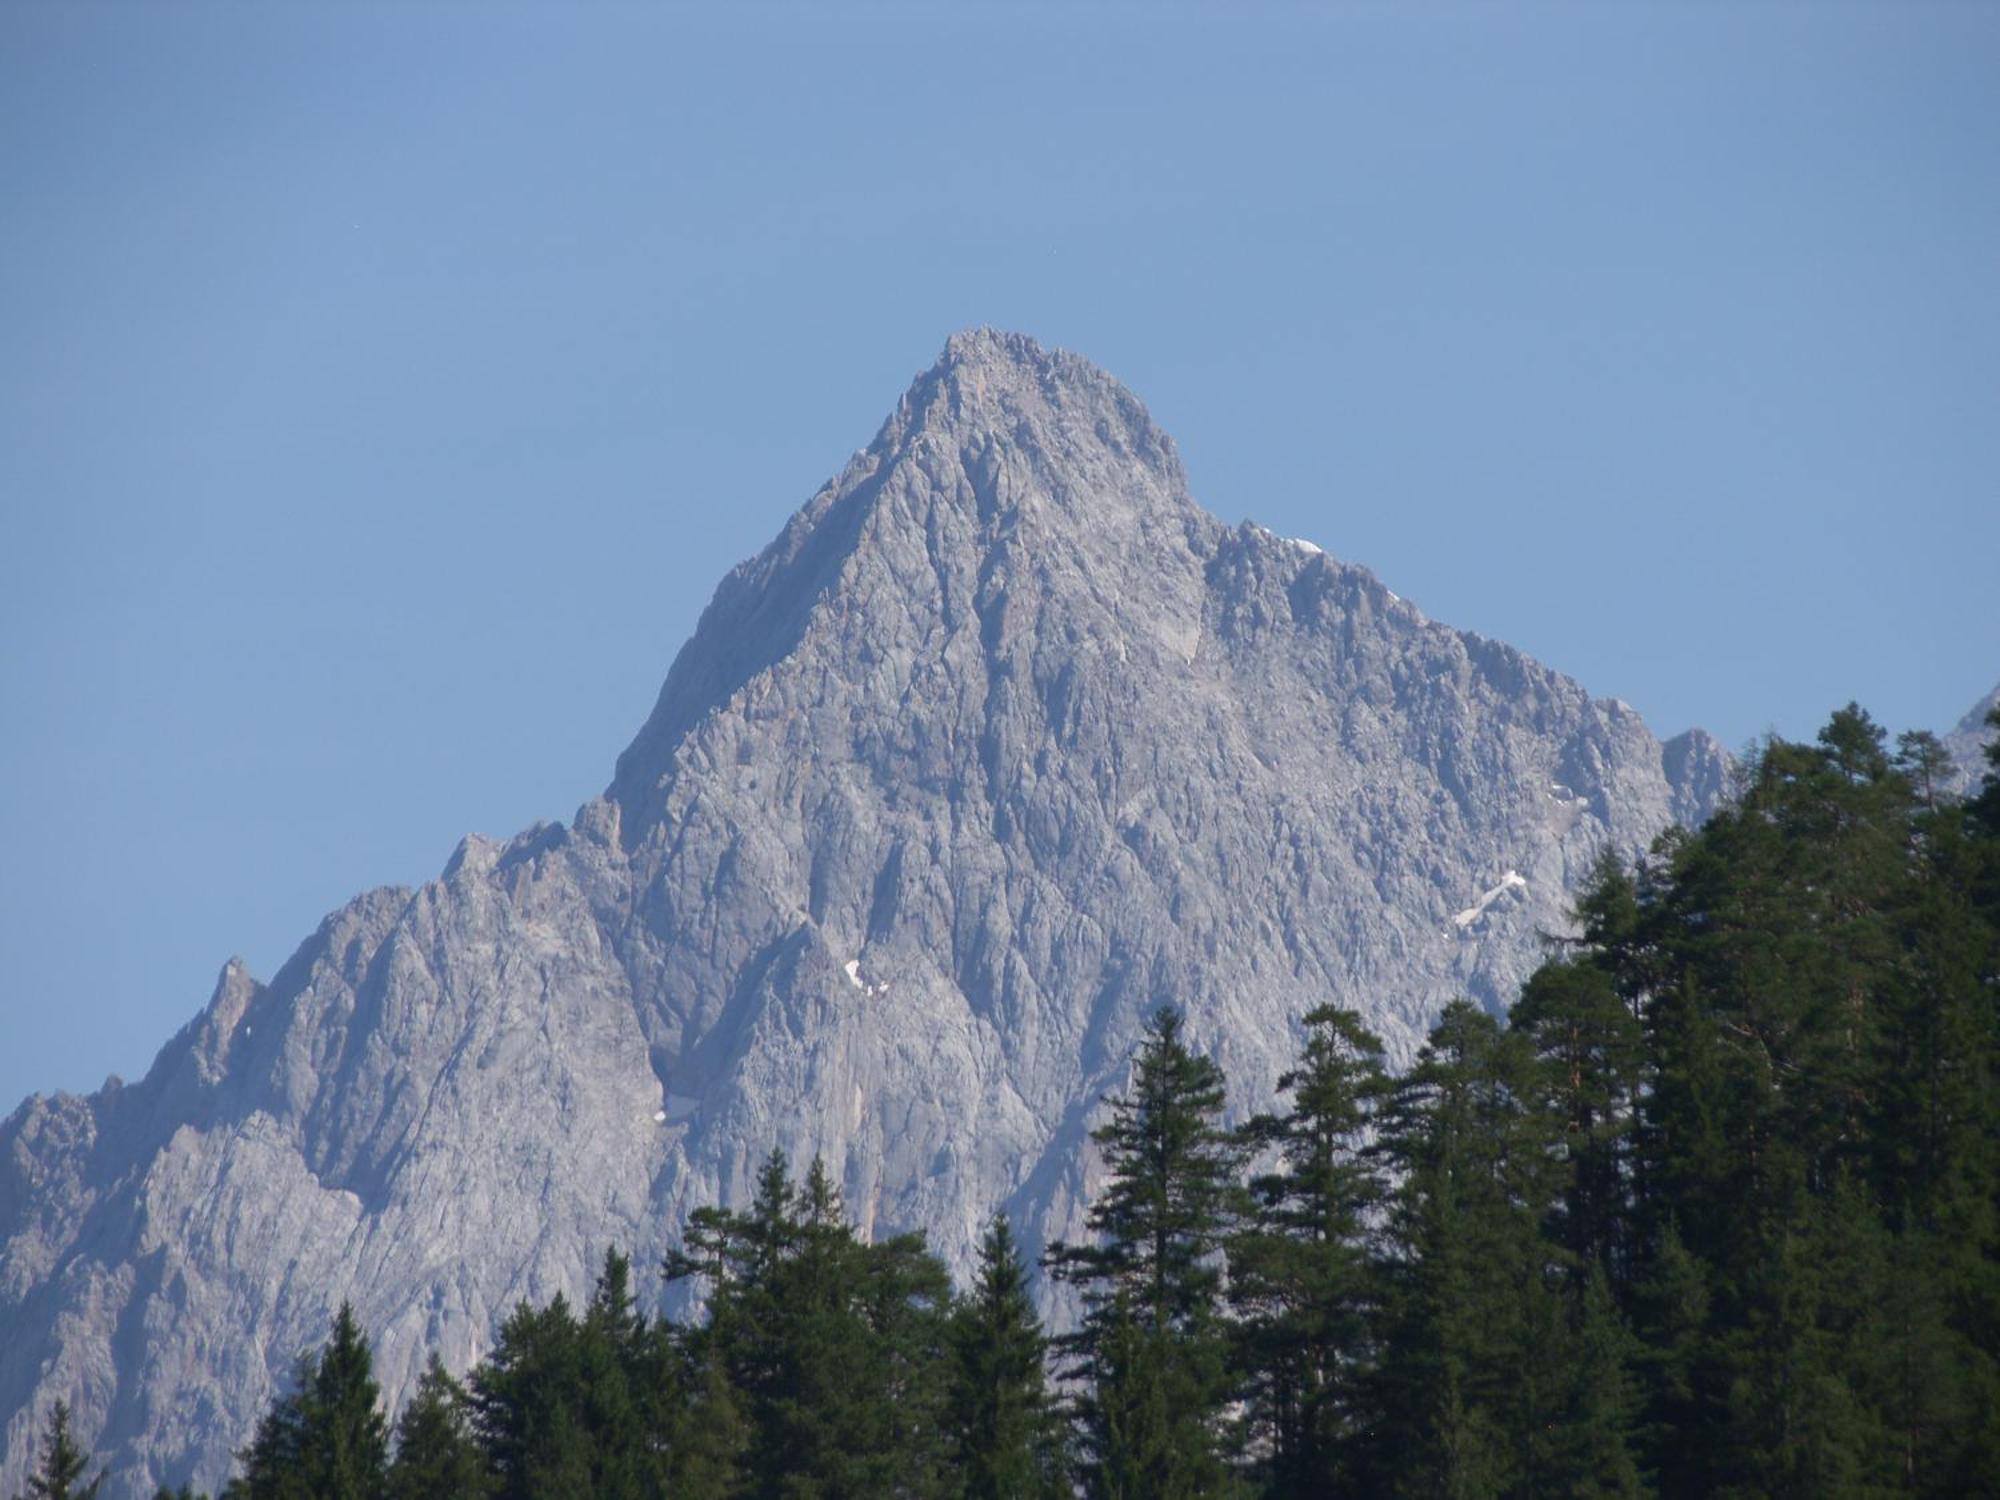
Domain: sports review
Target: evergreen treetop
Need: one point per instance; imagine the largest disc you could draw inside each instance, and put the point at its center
(64, 1463)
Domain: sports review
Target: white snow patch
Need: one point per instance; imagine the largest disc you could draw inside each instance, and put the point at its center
(659, 1117)
(1313, 547)
(1511, 881)
(852, 969)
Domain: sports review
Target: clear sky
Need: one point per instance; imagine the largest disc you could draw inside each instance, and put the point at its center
(384, 388)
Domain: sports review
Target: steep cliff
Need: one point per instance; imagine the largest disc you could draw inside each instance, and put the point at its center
(1001, 743)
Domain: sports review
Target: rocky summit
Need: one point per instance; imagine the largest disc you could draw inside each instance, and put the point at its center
(1003, 742)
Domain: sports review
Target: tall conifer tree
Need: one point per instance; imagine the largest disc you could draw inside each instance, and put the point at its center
(60, 1475)
(346, 1441)
(1006, 1438)
(437, 1455)
(326, 1438)
(527, 1399)
(1473, 1374)
(835, 1347)
(1300, 1274)
(1152, 1350)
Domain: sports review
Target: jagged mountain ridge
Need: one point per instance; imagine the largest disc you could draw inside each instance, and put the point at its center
(1002, 741)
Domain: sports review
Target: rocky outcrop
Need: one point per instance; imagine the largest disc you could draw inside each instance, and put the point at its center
(1967, 742)
(1003, 742)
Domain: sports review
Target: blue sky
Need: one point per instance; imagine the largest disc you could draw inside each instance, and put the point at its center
(383, 389)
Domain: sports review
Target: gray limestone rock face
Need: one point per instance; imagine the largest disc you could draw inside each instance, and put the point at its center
(1001, 744)
(1967, 742)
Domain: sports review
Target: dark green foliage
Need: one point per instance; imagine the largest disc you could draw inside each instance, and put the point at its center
(1474, 1368)
(1302, 1283)
(1006, 1439)
(1152, 1349)
(579, 1406)
(833, 1350)
(708, 1449)
(326, 1439)
(273, 1465)
(1590, 1445)
(345, 1442)
(60, 1476)
(1589, 1044)
(528, 1399)
(437, 1455)
(1149, 1425)
(1811, 1174)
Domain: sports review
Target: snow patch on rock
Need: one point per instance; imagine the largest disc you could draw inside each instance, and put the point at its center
(1511, 881)
(852, 969)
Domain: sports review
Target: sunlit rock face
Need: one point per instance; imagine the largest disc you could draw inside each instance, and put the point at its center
(1002, 743)
(1966, 745)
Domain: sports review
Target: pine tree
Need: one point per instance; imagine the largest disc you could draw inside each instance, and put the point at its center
(707, 1450)
(1301, 1281)
(1588, 1042)
(1808, 1253)
(528, 1400)
(437, 1454)
(835, 1348)
(1673, 1362)
(325, 1438)
(1591, 1448)
(64, 1463)
(627, 1390)
(1153, 1345)
(1779, 1002)
(1934, 1355)
(273, 1464)
(345, 1444)
(1136, 1425)
(1006, 1440)
(589, 1406)
(1473, 1374)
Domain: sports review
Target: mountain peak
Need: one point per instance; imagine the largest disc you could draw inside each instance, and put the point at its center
(988, 352)
(990, 385)
(987, 345)
(1001, 744)
(1001, 448)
